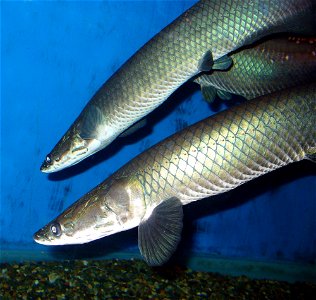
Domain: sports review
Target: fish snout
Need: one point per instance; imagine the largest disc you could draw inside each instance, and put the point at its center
(47, 164)
(40, 238)
(44, 167)
(49, 234)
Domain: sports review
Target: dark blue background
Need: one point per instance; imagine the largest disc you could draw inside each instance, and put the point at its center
(54, 57)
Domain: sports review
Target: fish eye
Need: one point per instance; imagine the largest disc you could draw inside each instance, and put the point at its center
(48, 159)
(55, 229)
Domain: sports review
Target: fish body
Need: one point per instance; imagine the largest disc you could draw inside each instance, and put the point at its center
(196, 41)
(211, 157)
(269, 66)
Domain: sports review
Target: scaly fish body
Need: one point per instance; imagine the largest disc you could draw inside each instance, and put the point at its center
(197, 41)
(208, 158)
(268, 67)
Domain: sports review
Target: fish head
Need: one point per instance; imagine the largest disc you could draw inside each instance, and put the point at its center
(103, 211)
(90, 133)
(70, 150)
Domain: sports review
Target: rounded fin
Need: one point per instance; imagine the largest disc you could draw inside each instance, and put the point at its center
(159, 235)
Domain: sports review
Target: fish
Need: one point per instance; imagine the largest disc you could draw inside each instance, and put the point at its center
(198, 40)
(271, 65)
(210, 157)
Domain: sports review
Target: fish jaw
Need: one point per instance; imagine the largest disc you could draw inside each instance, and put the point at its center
(89, 134)
(81, 223)
(113, 206)
(56, 234)
(71, 156)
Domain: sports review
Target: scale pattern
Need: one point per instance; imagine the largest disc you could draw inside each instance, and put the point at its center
(173, 55)
(210, 29)
(230, 148)
(208, 158)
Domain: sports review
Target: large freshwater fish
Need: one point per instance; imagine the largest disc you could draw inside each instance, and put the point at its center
(270, 66)
(196, 41)
(208, 158)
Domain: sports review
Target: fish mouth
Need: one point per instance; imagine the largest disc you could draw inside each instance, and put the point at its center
(48, 165)
(70, 158)
(51, 168)
(43, 237)
(39, 238)
(55, 166)
(45, 167)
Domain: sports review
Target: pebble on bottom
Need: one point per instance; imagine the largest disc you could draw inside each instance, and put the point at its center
(125, 279)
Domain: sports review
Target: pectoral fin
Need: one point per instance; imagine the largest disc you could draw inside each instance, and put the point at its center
(91, 122)
(209, 93)
(207, 63)
(224, 95)
(134, 127)
(222, 63)
(159, 235)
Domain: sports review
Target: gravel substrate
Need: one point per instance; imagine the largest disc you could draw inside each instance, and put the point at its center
(126, 279)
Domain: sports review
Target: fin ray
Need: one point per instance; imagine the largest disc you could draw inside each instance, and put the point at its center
(206, 62)
(209, 93)
(224, 95)
(223, 63)
(159, 235)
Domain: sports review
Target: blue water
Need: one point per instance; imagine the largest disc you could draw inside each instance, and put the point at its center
(54, 57)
